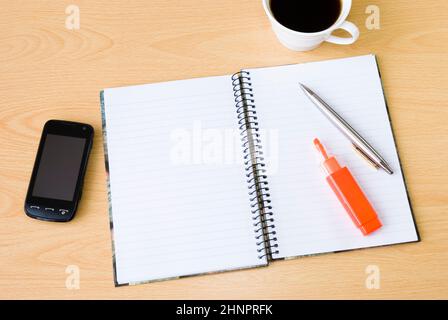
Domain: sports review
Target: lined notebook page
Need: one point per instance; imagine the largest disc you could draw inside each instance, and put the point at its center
(308, 217)
(177, 207)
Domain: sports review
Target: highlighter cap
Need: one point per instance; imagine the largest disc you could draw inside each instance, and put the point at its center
(370, 226)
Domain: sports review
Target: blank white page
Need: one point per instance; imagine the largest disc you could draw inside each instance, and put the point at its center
(308, 217)
(176, 209)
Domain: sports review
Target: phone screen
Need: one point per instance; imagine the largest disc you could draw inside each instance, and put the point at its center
(59, 167)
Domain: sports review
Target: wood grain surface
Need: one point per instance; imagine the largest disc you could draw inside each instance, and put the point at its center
(48, 71)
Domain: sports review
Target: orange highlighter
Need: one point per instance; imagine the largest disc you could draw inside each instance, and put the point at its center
(349, 193)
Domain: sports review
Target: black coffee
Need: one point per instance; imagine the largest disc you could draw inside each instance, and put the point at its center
(306, 15)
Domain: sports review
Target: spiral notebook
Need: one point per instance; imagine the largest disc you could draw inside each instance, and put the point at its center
(219, 173)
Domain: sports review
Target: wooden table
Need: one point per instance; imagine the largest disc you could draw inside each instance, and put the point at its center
(48, 71)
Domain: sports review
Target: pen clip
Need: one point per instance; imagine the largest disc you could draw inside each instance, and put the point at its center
(365, 156)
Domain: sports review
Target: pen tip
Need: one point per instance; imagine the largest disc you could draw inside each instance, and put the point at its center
(386, 167)
(389, 171)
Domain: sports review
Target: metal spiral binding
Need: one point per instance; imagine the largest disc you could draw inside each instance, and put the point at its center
(261, 208)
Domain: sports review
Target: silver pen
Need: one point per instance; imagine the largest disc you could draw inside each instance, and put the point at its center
(360, 144)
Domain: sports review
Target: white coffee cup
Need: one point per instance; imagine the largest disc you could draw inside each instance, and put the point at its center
(303, 41)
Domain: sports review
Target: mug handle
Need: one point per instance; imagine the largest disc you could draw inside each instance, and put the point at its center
(350, 28)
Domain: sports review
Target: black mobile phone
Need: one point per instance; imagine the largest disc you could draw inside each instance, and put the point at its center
(56, 182)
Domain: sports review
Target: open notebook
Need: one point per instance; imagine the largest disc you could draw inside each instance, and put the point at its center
(220, 173)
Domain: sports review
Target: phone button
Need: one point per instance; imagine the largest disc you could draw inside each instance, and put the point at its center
(34, 207)
(63, 211)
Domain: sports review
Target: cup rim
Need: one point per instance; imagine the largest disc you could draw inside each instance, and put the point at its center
(346, 5)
